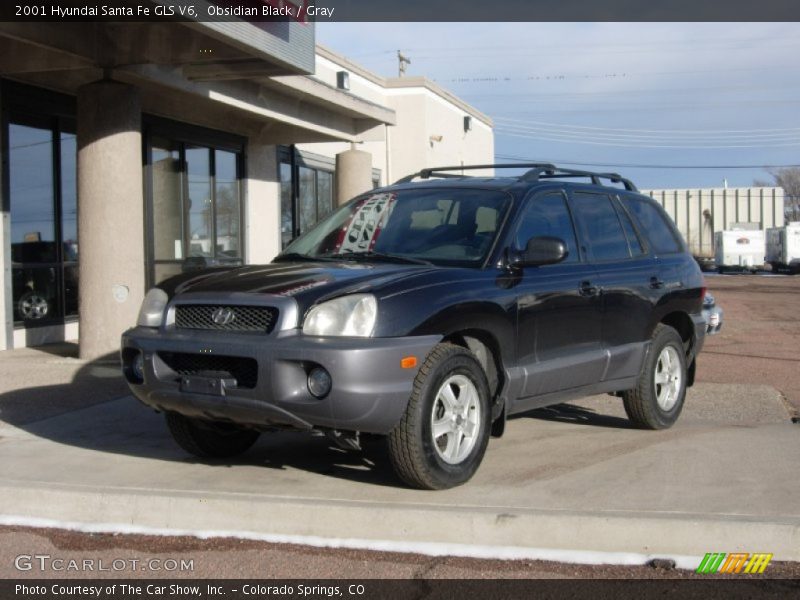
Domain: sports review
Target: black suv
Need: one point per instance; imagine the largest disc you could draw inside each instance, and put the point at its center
(428, 312)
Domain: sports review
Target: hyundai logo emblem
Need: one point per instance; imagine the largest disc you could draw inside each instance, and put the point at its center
(223, 316)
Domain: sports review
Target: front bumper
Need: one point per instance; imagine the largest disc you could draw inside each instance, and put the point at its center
(370, 389)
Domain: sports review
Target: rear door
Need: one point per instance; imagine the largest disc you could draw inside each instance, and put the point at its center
(558, 306)
(628, 275)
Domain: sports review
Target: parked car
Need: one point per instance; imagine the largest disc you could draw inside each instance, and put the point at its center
(428, 312)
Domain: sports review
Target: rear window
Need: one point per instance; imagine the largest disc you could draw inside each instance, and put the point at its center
(654, 224)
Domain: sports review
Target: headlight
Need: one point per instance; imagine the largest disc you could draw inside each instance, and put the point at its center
(352, 315)
(152, 312)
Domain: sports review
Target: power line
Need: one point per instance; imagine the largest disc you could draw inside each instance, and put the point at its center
(621, 137)
(634, 138)
(639, 165)
(687, 131)
(582, 140)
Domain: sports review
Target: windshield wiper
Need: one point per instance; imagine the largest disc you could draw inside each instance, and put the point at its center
(379, 256)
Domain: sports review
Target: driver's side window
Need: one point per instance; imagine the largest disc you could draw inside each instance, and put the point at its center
(547, 215)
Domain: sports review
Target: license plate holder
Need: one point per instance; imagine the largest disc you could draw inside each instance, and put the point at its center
(206, 384)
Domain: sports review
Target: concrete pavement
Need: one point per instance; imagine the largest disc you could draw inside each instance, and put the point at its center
(573, 478)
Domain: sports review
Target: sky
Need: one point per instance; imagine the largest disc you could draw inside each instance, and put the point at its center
(635, 98)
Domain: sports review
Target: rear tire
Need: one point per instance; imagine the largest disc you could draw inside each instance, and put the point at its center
(657, 400)
(442, 437)
(207, 439)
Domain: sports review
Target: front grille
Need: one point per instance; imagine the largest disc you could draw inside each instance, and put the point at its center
(243, 369)
(257, 319)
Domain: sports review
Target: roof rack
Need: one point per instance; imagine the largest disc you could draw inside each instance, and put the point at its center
(442, 171)
(535, 172)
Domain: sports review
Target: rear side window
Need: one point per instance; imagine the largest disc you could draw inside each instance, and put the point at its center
(548, 215)
(654, 224)
(630, 231)
(601, 226)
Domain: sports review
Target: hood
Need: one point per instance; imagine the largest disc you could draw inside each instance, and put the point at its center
(307, 282)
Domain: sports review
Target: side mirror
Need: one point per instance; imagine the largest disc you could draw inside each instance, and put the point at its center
(542, 250)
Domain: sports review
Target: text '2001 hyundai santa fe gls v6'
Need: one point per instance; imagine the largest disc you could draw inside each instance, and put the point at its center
(429, 311)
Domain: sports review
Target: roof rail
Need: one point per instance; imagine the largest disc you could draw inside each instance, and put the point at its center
(441, 171)
(535, 172)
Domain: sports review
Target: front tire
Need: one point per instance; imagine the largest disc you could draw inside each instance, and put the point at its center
(206, 439)
(657, 400)
(442, 437)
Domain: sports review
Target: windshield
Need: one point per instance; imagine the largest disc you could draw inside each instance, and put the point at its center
(440, 226)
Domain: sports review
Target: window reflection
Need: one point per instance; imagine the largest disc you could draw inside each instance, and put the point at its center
(69, 196)
(200, 210)
(167, 201)
(196, 207)
(44, 250)
(31, 191)
(314, 198)
(228, 210)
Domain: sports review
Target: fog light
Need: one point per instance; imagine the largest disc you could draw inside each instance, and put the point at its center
(319, 382)
(137, 366)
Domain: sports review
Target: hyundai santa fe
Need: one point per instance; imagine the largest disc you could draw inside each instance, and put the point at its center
(428, 312)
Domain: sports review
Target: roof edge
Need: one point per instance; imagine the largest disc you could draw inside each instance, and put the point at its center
(403, 82)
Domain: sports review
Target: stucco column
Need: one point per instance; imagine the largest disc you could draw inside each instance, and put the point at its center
(262, 200)
(110, 214)
(353, 174)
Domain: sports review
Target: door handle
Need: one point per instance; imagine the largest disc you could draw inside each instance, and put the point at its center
(587, 289)
(656, 283)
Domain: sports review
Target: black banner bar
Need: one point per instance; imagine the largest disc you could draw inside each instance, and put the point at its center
(400, 10)
(377, 589)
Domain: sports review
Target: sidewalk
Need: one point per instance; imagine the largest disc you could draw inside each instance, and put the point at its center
(575, 477)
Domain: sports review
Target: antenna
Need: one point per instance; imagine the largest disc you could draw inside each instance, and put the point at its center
(402, 62)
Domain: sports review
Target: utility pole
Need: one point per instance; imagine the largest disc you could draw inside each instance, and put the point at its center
(402, 63)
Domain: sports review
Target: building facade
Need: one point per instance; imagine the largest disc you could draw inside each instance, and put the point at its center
(131, 152)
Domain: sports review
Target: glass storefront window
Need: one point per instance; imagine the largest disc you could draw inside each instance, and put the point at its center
(198, 171)
(309, 201)
(195, 207)
(227, 205)
(167, 201)
(324, 194)
(31, 190)
(287, 228)
(69, 196)
(44, 237)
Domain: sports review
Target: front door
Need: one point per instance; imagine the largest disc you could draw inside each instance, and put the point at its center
(559, 306)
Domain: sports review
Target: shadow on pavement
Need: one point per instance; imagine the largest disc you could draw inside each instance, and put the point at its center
(95, 411)
(570, 413)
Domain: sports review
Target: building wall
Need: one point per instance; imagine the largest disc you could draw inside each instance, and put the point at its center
(430, 132)
(429, 129)
(699, 213)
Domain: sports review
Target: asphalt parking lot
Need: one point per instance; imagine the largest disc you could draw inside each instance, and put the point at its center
(573, 478)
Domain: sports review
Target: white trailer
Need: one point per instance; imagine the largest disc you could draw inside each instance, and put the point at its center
(783, 247)
(740, 249)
